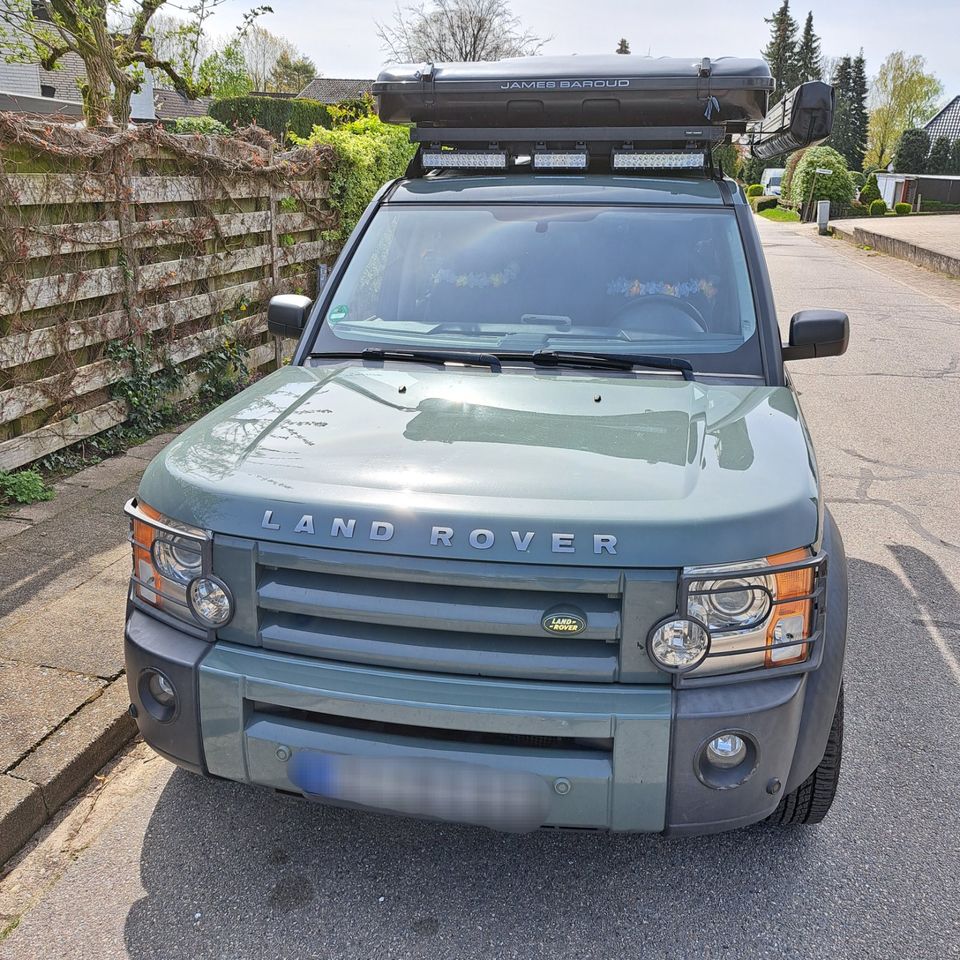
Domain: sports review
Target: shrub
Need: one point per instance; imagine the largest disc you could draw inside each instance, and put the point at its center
(878, 208)
(204, 125)
(837, 187)
(870, 191)
(858, 178)
(755, 190)
(281, 117)
(24, 486)
(901, 209)
(367, 153)
(763, 203)
(790, 168)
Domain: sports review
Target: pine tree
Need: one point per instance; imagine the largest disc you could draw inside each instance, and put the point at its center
(623, 46)
(939, 159)
(781, 52)
(808, 54)
(859, 115)
(842, 137)
(912, 151)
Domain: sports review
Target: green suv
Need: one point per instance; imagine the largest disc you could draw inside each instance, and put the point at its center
(530, 532)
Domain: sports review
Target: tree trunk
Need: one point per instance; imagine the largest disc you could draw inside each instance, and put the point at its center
(97, 95)
(121, 103)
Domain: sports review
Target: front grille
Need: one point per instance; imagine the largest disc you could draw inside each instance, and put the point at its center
(444, 616)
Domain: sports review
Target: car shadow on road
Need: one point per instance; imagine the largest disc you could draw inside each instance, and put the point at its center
(243, 873)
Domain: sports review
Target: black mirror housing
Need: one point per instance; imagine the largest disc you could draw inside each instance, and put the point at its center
(287, 315)
(817, 333)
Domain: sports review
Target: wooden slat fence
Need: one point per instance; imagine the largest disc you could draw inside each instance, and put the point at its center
(159, 242)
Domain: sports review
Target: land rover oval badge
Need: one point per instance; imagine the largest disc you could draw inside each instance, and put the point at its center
(563, 621)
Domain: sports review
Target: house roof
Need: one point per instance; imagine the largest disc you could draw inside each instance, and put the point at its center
(66, 79)
(170, 105)
(335, 89)
(947, 122)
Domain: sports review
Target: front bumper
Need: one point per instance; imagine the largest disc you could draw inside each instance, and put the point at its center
(612, 757)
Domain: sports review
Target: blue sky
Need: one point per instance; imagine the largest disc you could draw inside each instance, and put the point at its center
(341, 39)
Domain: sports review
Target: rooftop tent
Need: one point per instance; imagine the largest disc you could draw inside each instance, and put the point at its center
(581, 112)
(575, 92)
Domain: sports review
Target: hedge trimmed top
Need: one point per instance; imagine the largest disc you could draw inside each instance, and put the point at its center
(280, 116)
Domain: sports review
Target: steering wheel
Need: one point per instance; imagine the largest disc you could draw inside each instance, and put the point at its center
(662, 325)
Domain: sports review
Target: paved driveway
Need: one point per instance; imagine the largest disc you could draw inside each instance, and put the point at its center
(164, 865)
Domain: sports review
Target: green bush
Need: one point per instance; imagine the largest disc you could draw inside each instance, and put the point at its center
(837, 187)
(24, 486)
(204, 125)
(790, 167)
(367, 154)
(858, 178)
(281, 117)
(902, 209)
(870, 191)
(755, 190)
(878, 208)
(763, 203)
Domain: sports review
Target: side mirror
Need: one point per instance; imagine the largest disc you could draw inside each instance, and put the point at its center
(817, 333)
(287, 315)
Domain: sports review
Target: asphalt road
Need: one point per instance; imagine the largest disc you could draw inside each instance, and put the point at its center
(160, 864)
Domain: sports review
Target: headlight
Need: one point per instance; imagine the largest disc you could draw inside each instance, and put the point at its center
(177, 558)
(168, 558)
(752, 619)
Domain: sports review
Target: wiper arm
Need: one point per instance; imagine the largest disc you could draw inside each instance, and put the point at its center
(609, 361)
(418, 356)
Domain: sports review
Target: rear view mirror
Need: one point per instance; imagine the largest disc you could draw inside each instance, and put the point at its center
(287, 315)
(817, 333)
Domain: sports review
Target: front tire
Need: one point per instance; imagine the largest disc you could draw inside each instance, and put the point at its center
(811, 801)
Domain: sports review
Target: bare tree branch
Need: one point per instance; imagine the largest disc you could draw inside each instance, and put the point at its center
(457, 30)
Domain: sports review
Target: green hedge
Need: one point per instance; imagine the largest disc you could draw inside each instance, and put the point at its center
(281, 117)
(837, 187)
(877, 208)
(755, 190)
(902, 209)
(367, 154)
(206, 125)
(763, 203)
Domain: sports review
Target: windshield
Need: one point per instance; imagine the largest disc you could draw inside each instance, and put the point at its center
(508, 279)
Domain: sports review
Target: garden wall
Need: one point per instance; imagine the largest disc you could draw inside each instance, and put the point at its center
(139, 259)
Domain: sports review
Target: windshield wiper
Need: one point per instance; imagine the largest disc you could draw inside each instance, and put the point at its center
(608, 361)
(417, 356)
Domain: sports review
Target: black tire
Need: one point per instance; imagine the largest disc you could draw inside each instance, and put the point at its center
(811, 801)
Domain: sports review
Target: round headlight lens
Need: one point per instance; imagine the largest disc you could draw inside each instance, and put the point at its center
(177, 558)
(210, 601)
(735, 604)
(678, 644)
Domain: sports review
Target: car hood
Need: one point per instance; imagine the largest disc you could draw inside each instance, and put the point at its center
(559, 467)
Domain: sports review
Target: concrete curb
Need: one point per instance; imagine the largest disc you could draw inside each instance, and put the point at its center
(902, 249)
(34, 789)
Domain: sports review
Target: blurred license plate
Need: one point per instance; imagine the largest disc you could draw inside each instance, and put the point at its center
(424, 787)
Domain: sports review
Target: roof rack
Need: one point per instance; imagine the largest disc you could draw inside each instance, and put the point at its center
(563, 113)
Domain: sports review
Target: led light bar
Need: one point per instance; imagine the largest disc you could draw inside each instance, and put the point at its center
(560, 159)
(658, 159)
(464, 159)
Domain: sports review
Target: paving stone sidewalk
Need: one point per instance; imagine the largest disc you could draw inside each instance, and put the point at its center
(932, 241)
(63, 699)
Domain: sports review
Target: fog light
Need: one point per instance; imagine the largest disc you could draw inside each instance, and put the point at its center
(210, 601)
(678, 644)
(158, 695)
(161, 689)
(726, 751)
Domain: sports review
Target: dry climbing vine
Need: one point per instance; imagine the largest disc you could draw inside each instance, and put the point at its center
(123, 255)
